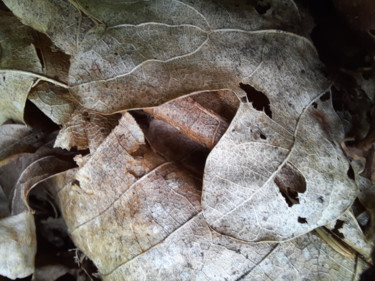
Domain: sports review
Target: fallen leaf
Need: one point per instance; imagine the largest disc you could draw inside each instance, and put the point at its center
(17, 53)
(177, 73)
(242, 171)
(84, 129)
(194, 120)
(17, 245)
(59, 20)
(113, 71)
(55, 102)
(17, 177)
(17, 138)
(347, 229)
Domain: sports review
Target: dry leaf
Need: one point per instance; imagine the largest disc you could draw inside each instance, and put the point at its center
(17, 245)
(135, 204)
(85, 130)
(244, 194)
(17, 138)
(17, 53)
(53, 101)
(60, 20)
(347, 229)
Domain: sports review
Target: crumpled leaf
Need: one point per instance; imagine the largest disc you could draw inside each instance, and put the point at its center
(55, 63)
(17, 52)
(59, 20)
(17, 138)
(18, 176)
(85, 129)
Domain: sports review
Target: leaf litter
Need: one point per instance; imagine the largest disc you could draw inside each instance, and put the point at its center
(205, 141)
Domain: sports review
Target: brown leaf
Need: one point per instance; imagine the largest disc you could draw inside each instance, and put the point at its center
(85, 130)
(194, 120)
(55, 102)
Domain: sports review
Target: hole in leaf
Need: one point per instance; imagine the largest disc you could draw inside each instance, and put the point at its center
(259, 100)
(350, 173)
(302, 220)
(290, 182)
(40, 56)
(315, 105)
(325, 97)
(76, 182)
(34, 117)
(262, 7)
(364, 221)
(243, 99)
(321, 199)
(339, 224)
(263, 137)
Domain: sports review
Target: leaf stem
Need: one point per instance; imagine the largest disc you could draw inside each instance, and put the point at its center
(41, 77)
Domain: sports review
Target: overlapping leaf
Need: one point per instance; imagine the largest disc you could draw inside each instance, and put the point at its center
(17, 53)
(134, 204)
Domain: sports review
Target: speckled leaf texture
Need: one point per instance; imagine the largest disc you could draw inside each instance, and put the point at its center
(274, 172)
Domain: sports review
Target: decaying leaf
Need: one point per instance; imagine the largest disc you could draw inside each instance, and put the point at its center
(216, 14)
(209, 146)
(347, 229)
(256, 151)
(85, 130)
